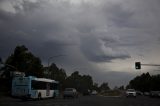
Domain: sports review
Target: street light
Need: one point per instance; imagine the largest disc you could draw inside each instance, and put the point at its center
(49, 62)
(85, 69)
(52, 58)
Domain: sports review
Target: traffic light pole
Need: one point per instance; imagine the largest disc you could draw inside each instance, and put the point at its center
(150, 64)
(138, 65)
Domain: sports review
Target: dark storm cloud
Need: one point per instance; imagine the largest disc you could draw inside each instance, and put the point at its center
(94, 49)
(119, 16)
(32, 25)
(31, 29)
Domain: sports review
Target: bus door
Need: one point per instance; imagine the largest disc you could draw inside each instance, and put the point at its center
(48, 89)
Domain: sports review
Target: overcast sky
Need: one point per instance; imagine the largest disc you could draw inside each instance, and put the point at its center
(102, 38)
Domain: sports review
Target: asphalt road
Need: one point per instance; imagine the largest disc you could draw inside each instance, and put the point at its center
(84, 101)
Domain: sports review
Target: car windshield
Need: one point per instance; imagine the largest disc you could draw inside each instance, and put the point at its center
(131, 90)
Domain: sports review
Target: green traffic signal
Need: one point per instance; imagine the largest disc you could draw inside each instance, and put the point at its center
(138, 65)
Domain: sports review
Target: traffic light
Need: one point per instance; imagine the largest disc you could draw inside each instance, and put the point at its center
(138, 65)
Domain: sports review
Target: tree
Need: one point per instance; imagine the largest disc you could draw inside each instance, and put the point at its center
(81, 83)
(87, 82)
(121, 87)
(155, 83)
(73, 80)
(95, 87)
(104, 86)
(24, 61)
(141, 83)
(53, 72)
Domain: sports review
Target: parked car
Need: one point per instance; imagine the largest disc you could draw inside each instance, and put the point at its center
(131, 93)
(146, 94)
(70, 92)
(155, 94)
(139, 93)
(94, 92)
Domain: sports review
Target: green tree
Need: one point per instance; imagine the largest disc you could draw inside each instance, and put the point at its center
(24, 61)
(20, 60)
(104, 86)
(121, 87)
(155, 83)
(142, 83)
(81, 83)
(73, 80)
(95, 87)
(53, 72)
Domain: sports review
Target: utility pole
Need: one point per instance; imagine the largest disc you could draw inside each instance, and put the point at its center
(49, 59)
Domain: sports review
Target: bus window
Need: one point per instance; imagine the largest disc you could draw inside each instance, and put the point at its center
(38, 85)
(54, 86)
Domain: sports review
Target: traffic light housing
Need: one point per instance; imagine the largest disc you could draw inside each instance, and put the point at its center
(138, 65)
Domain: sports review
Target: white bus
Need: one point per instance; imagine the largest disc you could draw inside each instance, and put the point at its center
(34, 88)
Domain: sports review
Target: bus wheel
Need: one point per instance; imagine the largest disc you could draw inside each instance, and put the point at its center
(39, 96)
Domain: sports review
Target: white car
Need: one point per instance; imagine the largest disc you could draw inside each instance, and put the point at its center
(131, 93)
(94, 92)
(155, 93)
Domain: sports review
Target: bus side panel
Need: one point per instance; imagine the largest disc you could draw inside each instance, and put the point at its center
(43, 93)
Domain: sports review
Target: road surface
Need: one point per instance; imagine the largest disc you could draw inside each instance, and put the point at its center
(84, 101)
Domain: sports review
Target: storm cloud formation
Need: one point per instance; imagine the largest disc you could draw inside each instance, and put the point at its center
(101, 35)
